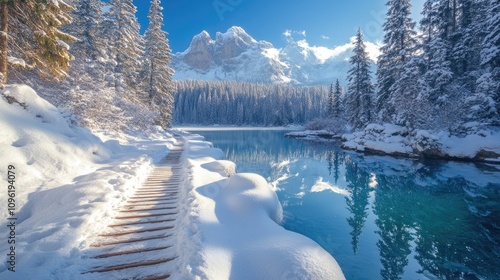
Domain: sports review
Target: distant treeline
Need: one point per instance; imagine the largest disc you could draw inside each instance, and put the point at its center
(242, 103)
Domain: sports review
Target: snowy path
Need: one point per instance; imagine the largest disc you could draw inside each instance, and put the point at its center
(138, 243)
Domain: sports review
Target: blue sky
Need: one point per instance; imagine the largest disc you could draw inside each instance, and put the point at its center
(325, 22)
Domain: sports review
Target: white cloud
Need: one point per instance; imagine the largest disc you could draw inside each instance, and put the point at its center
(288, 32)
(325, 37)
(323, 53)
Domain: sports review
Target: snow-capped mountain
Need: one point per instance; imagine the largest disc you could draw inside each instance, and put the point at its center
(235, 55)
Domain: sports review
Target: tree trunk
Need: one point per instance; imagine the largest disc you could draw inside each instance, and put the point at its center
(4, 15)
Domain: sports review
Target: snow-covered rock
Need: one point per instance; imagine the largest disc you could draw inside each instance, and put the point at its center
(396, 140)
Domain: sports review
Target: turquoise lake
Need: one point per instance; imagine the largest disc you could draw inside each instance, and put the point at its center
(380, 217)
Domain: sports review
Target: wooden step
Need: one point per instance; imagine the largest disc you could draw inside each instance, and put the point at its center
(147, 209)
(120, 253)
(149, 204)
(145, 216)
(132, 240)
(159, 277)
(149, 200)
(172, 195)
(142, 223)
(129, 265)
(121, 233)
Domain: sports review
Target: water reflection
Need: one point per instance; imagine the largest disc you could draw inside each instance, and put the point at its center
(357, 203)
(396, 218)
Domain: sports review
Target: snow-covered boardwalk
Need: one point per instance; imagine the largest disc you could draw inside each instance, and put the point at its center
(138, 243)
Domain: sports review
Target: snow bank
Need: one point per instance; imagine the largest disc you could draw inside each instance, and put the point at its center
(238, 219)
(68, 182)
(396, 140)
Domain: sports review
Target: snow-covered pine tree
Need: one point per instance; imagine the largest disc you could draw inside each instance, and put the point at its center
(490, 52)
(360, 88)
(157, 75)
(488, 84)
(399, 46)
(128, 46)
(338, 101)
(90, 98)
(435, 48)
(85, 26)
(427, 28)
(331, 102)
(31, 36)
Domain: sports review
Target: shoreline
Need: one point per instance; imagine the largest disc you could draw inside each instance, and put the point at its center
(404, 147)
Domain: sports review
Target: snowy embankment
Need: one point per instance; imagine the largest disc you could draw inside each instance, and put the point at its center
(69, 184)
(391, 139)
(236, 232)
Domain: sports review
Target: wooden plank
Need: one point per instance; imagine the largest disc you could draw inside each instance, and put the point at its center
(147, 209)
(142, 223)
(150, 204)
(130, 265)
(120, 253)
(145, 216)
(120, 233)
(157, 277)
(148, 200)
(171, 195)
(133, 240)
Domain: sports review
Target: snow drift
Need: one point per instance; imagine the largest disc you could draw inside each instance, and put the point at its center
(238, 217)
(68, 182)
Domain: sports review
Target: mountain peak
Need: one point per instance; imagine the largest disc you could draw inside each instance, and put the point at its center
(235, 55)
(235, 32)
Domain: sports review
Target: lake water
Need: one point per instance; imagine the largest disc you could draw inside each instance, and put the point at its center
(380, 217)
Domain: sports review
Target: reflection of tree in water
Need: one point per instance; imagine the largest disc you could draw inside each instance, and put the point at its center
(264, 146)
(394, 230)
(459, 244)
(335, 160)
(357, 202)
(450, 219)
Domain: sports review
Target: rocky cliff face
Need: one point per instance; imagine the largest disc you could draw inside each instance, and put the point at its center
(235, 55)
(200, 53)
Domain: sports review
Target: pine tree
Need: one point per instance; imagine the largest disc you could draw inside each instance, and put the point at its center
(331, 102)
(337, 107)
(486, 103)
(128, 48)
(399, 46)
(435, 50)
(85, 26)
(360, 88)
(158, 74)
(490, 53)
(31, 33)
